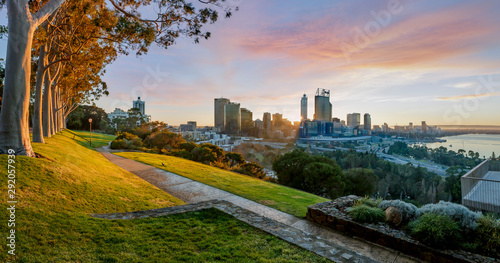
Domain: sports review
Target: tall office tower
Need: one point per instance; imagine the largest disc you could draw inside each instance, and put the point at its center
(192, 123)
(219, 115)
(266, 119)
(303, 108)
(139, 104)
(353, 120)
(424, 127)
(410, 127)
(232, 114)
(277, 121)
(246, 119)
(367, 122)
(322, 106)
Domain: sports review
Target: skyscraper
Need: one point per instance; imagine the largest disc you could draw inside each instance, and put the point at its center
(322, 105)
(277, 121)
(219, 114)
(367, 122)
(267, 123)
(246, 119)
(424, 127)
(232, 114)
(141, 105)
(353, 120)
(303, 108)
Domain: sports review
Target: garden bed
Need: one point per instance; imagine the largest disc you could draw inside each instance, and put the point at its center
(332, 215)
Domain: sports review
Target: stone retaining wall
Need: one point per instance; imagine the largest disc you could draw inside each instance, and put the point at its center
(329, 214)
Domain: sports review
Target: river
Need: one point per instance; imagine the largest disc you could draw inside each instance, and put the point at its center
(484, 144)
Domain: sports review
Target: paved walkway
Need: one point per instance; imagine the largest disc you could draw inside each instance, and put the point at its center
(194, 192)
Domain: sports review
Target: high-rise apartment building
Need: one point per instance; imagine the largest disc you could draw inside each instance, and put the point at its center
(219, 113)
(353, 120)
(322, 106)
(424, 127)
(303, 108)
(232, 114)
(139, 104)
(367, 122)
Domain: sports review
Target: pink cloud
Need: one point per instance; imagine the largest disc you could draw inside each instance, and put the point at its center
(409, 39)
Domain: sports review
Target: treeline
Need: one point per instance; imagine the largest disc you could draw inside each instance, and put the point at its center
(338, 173)
(441, 155)
(154, 137)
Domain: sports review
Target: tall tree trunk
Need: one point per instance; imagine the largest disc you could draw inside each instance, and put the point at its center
(14, 116)
(53, 120)
(37, 113)
(61, 110)
(47, 105)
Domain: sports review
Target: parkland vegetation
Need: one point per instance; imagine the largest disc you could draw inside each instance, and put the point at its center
(338, 173)
(155, 137)
(59, 191)
(69, 43)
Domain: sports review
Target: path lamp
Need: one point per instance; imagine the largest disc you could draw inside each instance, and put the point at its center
(90, 121)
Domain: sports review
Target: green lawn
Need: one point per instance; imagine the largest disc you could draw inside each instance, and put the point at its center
(98, 139)
(57, 193)
(283, 198)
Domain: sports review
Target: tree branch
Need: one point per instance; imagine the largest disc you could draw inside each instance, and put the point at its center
(46, 11)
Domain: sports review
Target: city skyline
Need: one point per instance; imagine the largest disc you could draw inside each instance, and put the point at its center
(431, 61)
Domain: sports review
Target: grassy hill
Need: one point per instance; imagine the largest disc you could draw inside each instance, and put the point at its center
(277, 196)
(57, 193)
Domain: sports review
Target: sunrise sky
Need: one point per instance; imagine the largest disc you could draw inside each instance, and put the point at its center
(401, 61)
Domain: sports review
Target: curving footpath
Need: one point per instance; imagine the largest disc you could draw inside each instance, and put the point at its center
(315, 238)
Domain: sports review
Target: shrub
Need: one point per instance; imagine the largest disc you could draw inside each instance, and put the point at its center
(126, 135)
(251, 169)
(408, 211)
(368, 201)
(366, 214)
(436, 230)
(459, 213)
(488, 235)
(117, 144)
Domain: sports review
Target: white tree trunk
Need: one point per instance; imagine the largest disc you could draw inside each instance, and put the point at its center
(37, 113)
(14, 116)
(53, 120)
(47, 105)
(14, 123)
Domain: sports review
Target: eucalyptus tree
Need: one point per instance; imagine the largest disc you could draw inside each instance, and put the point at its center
(173, 18)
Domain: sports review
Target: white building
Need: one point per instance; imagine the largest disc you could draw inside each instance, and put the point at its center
(118, 113)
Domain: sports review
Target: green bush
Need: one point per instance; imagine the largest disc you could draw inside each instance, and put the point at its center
(437, 231)
(118, 144)
(488, 235)
(366, 214)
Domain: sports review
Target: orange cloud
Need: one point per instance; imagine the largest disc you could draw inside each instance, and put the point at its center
(461, 97)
